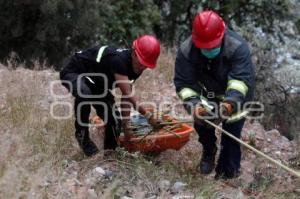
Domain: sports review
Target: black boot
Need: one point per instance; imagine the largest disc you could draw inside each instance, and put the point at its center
(85, 143)
(207, 163)
(226, 169)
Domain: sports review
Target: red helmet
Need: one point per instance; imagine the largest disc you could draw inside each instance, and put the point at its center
(147, 49)
(208, 29)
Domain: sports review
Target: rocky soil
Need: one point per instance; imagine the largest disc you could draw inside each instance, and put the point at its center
(53, 166)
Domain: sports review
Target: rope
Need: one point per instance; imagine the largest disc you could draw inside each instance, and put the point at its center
(276, 162)
(292, 171)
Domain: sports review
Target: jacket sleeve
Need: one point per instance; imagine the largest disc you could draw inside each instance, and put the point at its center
(185, 82)
(240, 77)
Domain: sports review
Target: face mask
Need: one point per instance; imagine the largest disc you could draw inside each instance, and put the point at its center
(210, 54)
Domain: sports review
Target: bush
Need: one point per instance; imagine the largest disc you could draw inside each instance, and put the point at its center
(273, 88)
(52, 29)
(46, 29)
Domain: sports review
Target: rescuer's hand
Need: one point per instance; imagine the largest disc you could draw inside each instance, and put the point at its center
(151, 120)
(225, 109)
(199, 114)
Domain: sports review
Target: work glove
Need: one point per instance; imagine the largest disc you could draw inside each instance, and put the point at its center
(200, 114)
(151, 120)
(128, 132)
(225, 110)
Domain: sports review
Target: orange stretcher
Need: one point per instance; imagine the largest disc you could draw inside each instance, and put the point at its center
(159, 141)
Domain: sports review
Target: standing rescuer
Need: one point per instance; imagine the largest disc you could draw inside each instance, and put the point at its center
(214, 74)
(91, 73)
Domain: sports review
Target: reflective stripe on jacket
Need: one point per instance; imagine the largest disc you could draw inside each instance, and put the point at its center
(231, 73)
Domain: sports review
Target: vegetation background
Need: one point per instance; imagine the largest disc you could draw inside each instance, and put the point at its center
(40, 34)
(51, 30)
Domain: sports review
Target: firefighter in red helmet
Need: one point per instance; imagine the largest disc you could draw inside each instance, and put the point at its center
(208, 30)
(90, 74)
(214, 77)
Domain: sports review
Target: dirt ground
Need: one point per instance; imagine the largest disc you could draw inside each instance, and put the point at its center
(41, 159)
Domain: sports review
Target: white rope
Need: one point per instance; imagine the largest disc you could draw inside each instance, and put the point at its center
(292, 171)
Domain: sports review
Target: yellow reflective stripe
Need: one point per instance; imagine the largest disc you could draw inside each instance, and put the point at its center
(238, 116)
(186, 93)
(100, 52)
(237, 85)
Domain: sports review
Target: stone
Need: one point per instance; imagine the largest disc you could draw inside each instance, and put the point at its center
(126, 197)
(229, 193)
(273, 133)
(278, 153)
(99, 170)
(181, 196)
(152, 197)
(109, 174)
(164, 184)
(269, 140)
(92, 193)
(178, 186)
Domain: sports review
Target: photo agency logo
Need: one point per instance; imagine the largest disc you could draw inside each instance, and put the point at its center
(88, 93)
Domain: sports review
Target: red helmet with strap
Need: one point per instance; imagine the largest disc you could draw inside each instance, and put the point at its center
(208, 29)
(147, 49)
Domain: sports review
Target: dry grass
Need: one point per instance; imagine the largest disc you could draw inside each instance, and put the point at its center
(145, 171)
(36, 148)
(32, 143)
(166, 63)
